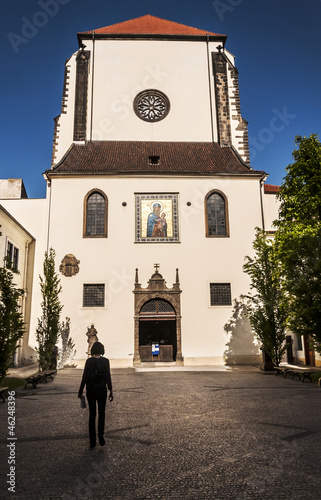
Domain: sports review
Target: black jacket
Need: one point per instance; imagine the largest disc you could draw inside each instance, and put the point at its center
(88, 369)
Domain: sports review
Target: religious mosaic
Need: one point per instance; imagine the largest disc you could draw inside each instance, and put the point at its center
(156, 218)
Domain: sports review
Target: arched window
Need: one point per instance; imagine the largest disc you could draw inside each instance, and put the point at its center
(216, 215)
(95, 215)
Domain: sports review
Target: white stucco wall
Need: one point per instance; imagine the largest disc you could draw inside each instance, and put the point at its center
(32, 214)
(15, 234)
(120, 69)
(271, 210)
(12, 231)
(113, 260)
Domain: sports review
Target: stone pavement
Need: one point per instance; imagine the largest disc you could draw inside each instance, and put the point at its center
(196, 434)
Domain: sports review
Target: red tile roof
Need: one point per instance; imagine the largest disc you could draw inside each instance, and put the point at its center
(271, 189)
(151, 25)
(125, 157)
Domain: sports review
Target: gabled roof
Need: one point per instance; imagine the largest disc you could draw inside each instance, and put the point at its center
(271, 189)
(150, 25)
(134, 157)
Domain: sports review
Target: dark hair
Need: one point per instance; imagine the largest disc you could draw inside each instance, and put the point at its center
(97, 348)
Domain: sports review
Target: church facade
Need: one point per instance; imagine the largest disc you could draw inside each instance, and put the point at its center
(151, 201)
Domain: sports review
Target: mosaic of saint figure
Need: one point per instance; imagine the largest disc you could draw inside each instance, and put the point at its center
(156, 222)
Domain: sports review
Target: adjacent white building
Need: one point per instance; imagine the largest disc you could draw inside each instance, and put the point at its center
(17, 250)
(151, 201)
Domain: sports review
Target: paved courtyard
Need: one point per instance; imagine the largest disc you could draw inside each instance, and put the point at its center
(238, 434)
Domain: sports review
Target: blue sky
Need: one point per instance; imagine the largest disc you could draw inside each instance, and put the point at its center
(276, 44)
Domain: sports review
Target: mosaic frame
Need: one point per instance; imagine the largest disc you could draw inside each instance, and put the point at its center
(143, 204)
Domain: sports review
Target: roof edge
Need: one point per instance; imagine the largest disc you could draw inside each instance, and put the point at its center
(15, 220)
(252, 173)
(150, 36)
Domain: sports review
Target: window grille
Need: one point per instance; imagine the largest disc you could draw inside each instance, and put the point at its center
(164, 306)
(149, 307)
(95, 215)
(157, 306)
(216, 215)
(94, 296)
(220, 294)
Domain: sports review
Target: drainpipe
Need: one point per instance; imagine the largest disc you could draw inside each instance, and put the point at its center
(261, 200)
(49, 188)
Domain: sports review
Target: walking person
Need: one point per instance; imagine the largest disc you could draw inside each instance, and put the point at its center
(96, 377)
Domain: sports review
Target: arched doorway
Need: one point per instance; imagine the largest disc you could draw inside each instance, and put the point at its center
(157, 327)
(157, 319)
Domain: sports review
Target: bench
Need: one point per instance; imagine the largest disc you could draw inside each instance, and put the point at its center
(293, 373)
(40, 376)
(2, 391)
(48, 374)
(306, 375)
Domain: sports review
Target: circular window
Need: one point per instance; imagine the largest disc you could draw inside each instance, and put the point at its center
(151, 105)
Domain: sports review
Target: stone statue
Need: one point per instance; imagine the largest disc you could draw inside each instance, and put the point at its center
(92, 338)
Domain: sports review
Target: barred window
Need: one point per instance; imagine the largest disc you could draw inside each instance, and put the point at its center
(216, 215)
(94, 296)
(95, 215)
(220, 294)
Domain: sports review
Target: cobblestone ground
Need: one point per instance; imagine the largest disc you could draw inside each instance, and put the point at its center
(170, 435)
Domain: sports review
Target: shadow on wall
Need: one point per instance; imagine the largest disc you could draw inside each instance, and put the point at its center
(242, 348)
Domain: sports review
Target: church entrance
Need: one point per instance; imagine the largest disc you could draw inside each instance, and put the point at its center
(157, 331)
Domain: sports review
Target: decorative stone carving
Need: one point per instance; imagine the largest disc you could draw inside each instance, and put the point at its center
(92, 338)
(157, 288)
(151, 105)
(69, 265)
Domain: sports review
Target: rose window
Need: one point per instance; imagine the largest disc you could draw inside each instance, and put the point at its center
(151, 105)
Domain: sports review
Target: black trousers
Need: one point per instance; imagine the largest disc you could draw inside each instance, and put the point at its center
(96, 396)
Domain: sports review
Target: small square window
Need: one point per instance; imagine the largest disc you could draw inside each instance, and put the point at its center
(154, 160)
(220, 294)
(94, 296)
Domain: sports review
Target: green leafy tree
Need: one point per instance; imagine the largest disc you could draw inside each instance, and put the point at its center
(47, 331)
(299, 237)
(11, 320)
(267, 309)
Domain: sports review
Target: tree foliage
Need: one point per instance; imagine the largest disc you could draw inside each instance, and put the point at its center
(298, 237)
(47, 331)
(11, 319)
(266, 311)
